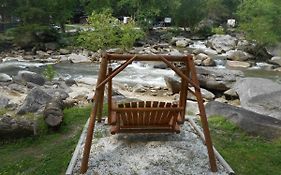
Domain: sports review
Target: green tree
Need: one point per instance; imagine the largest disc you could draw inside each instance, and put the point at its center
(261, 20)
(190, 13)
(107, 32)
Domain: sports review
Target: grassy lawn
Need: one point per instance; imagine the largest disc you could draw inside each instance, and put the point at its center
(246, 155)
(48, 153)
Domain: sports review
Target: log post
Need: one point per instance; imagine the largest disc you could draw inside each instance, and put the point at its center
(109, 96)
(203, 116)
(89, 137)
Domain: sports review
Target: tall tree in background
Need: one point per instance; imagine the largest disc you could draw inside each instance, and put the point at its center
(261, 20)
(190, 13)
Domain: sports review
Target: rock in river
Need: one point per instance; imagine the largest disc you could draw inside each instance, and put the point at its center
(260, 95)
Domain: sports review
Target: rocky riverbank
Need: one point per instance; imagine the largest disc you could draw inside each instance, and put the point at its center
(221, 62)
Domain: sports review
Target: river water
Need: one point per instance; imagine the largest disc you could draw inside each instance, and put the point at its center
(135, 73)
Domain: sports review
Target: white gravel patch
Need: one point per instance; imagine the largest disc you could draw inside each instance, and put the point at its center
(147, 154)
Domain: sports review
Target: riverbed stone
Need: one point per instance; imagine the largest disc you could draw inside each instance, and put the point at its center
(205, 94)
(11, 127)
(182, 41)
(5, 77)
(79, 58)
(34, 101)
(173, 84)
(260, 95)
(213, 78)
(251, 122)
(64, 51)
(4, 101)
(238, 55)
(231, 94)
(237, 64)
(222, 43)
(276, 60)
(32, 77)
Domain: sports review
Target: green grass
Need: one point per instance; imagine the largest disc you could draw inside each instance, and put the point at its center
(247, 155)
(49, 152)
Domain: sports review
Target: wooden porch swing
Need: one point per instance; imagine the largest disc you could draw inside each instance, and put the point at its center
(146, 117)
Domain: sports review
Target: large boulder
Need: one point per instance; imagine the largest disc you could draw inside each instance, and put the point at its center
(172, 84)
(222, 43)
(5, 78)
(259, 52)
(11, 127)
(32, 77)
(78, 58)
(238, 55)
(34, 101)
(251, 122)
(203, 59)
(260, 95)
(217, 79)
(180, 41)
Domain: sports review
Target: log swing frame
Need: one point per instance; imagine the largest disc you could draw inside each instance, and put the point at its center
(188, 79)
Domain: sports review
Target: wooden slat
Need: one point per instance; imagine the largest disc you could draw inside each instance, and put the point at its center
(141, 113)
(122, 116)
(135, 113)
(159, 113)
(152, 117)
(175, 116)
(129, 114)
(147, 113)
(166, 114)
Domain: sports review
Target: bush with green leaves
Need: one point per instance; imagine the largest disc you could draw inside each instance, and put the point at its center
(218, 30)
(50, 72)
(32, 35)
(107, 31)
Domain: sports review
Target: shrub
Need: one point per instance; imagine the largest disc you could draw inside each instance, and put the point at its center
(108, 31)
(49, 72)
(28, 36)
(218, 30)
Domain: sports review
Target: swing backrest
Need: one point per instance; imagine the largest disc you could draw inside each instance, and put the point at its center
(142, 117)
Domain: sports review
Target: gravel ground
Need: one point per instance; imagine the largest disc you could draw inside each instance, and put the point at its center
(147, 154)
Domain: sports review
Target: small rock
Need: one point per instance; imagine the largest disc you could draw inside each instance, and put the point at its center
(5, 77)
(172, 84)
(139, 88)
(75, 58)
(238, 55)
(64, 51)
(278, 69)
(231, 94)
(205, 94)
(276, 60)
(4, 101)
(237, 64)
(32, 77)
(70, 82)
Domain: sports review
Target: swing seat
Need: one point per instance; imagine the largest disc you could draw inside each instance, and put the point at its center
(146, 117)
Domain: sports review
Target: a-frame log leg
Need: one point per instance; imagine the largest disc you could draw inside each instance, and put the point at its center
(89, 137)
(184, 92)
(102, 76)
(203, 117)
(109, 96)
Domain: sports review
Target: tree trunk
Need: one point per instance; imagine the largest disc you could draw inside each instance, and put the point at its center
(53, 113)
